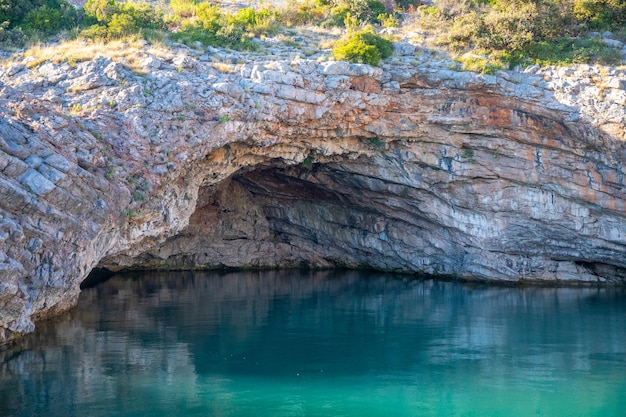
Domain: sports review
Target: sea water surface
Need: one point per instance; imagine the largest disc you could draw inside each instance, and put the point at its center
(298, 343)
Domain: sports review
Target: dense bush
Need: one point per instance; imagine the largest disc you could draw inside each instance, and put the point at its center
(183, 8)
(117, 20)
(261, 21)
(43, 18)
(516, 31)
(212, 26)
(366, 10)
(363, 46)
(43, 15)
(331, 13)
(14, 11)
(22, 21)
(601, 14)
(497, 32)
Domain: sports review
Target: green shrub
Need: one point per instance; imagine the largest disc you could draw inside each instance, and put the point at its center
(376, 8)
(37, 15)
(121, 25)
(121, 19)
(257, 21)
(364, 46)
(11, 37)
(210, 17)
(299, 13)
(143, 15)
(509, 27)
(388, 20)
(14, 11)
(94, 32)
(361, 11)
(213, 27)
(567, 50)
(465, 30)
(43, 18)
(101, 10)
(601, 14)
(510, 32)
(183, 8)
(365, 11)
(26, 21)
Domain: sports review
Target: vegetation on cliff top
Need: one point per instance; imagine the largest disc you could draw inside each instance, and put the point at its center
(527, 31)
(483, 34)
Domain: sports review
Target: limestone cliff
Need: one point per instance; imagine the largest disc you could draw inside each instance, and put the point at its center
(413, 167)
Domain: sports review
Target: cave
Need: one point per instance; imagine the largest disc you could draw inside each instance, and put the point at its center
(410, 169)
(388, 209)
(317, 216)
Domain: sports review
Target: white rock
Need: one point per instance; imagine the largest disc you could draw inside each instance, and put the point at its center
(335, 68)
(151, 62)
(184, 61)
(114, 71)
(619, 84)
(532, 69)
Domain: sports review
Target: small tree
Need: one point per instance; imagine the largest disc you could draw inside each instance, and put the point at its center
(363, 46)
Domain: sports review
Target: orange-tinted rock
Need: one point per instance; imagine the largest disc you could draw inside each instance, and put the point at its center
(413, 169)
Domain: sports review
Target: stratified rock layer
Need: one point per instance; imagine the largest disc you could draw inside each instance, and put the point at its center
(413, 167)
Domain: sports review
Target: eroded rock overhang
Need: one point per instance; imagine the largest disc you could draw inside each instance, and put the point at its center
(417, 169)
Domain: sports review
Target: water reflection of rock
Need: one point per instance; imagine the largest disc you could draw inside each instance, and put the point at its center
(181, 324)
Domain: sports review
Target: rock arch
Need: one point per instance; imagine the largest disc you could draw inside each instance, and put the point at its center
(416, 169)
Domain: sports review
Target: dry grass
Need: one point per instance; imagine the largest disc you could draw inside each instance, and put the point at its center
(224, 67)
(129, 53)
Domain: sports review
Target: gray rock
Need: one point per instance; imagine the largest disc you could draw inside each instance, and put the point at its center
(151, 62)
(613, 43)
(53, 73)
(59, 162)
(34, 182)
(335, 68)
(34, 161)
(114, 71)
(532, 69)
(278, 77)
(14, 167)
(617, 83)
(15, 69)
(184, 61)
(404, 48)
(443, 172)
(51, 173)
(231, 89)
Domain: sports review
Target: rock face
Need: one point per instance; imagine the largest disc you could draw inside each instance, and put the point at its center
(414, 167)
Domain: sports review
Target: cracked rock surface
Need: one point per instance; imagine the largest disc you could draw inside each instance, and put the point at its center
(412, 167)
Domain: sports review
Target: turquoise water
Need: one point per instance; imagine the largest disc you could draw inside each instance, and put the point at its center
(322, 344)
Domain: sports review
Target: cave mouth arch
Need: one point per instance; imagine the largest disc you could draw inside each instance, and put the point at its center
(313, 215)
(391, 209)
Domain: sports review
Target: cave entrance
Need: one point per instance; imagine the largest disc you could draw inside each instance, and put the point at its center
(310, 215)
